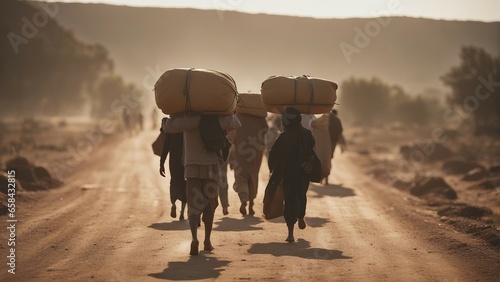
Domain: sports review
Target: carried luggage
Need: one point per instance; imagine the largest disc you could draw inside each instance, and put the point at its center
(250, 104)
(273, 201)
(158, 143)
(200, 91)
(309, 95)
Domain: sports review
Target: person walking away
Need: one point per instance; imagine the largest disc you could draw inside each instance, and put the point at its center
(140, 120)
(173, 144)
(154, 119)
(336, 136)
(288, 152)
(323, 147)
(202, 173)
(249, 145)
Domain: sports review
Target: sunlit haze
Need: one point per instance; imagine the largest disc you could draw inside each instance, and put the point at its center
(481, 10)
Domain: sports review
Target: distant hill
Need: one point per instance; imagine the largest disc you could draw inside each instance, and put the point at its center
(410, 52)
(44, 69)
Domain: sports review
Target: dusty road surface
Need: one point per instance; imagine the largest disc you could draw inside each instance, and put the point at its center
(110, 222)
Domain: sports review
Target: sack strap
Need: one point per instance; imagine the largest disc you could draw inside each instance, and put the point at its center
(311, 93)
(187, 82)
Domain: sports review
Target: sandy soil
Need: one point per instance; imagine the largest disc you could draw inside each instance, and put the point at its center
(110, 222)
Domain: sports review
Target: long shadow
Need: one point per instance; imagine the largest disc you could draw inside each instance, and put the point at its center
(232, 224)
(196, 268)
(169, 226)
(301, 248)
(332, 190)
(316, 222)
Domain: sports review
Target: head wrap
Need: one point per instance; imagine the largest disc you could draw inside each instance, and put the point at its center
(291, 118)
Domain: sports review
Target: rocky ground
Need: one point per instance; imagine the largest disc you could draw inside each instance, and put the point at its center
(455, 175)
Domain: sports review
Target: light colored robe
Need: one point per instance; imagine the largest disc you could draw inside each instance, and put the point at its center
(323, 146)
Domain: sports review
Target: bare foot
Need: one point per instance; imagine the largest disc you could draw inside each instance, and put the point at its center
(290, 239)
(207, 246)
(173, 211)
(302, 223)
(194, 248)
(243, 208)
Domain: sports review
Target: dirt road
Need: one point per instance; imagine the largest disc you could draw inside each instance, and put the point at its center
(118, 229)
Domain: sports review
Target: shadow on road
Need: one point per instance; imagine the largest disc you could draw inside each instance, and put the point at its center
(301, 248)
(244, 224)
(315, 222)
(332, 190)
(196, 268)
(174, 225)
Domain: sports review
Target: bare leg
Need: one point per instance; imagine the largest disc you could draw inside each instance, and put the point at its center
(183, 208)
(290, 237)
(243, 208)
(193, 225)
(208, 219)
(250, 208)
(173, 211)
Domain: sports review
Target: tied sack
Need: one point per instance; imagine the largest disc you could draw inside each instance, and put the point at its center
(309, 95)
(200, 91)
(250, 104)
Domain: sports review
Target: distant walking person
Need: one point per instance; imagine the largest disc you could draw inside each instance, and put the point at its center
(247, 157)
(173, 144)
(287, 154)
(140, 120)
(126, 120)
(154, 119)
(335, 129)
(202, 173)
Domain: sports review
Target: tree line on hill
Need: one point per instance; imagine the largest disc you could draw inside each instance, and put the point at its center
(45, 70)
(475, 94)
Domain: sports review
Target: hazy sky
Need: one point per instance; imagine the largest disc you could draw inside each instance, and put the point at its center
(481, 10)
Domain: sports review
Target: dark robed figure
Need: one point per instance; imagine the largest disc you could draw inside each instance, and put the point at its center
(288, 152)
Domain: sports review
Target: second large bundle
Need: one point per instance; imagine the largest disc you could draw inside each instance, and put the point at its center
(308, 95)
(195, 90)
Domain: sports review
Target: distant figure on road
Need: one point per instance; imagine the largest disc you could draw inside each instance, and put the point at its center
(127, 123)
(173, 144)
(154, 119)
(335, 129)
(202, 173)
(140, 120)
(247, 157)
(287, 154)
